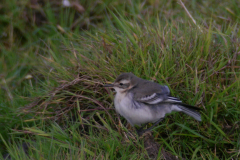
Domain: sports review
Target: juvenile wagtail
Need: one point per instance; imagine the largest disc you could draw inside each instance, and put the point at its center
(141, 101)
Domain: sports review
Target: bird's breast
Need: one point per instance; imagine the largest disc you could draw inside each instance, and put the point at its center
(133, 114)
(122, 103)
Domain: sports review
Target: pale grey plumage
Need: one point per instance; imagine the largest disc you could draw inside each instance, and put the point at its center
(141, 101)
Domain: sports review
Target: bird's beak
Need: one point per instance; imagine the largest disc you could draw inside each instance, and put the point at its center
(108, 85)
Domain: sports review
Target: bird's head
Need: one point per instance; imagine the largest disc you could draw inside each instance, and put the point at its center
(123, 82)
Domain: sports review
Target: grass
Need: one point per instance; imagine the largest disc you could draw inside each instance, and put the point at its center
(54, 61)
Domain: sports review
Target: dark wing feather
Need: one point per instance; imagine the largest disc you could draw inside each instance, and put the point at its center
(152, 93)
(156, 98)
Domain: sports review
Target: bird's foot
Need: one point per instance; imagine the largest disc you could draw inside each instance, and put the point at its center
(140, 132)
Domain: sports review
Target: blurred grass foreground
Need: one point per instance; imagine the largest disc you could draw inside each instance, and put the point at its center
(55, 56)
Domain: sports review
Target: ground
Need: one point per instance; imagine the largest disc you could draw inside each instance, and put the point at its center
(55, 59)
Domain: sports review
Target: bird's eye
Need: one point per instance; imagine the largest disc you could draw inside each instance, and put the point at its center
(120, 84)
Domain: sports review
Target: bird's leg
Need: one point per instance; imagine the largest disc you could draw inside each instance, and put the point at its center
(141, 131)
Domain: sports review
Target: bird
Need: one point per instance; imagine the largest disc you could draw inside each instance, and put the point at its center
(141, 101)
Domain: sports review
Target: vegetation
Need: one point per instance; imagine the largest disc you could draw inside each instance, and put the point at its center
(55, 59)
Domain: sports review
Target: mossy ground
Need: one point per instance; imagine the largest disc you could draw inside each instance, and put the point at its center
(54, 61)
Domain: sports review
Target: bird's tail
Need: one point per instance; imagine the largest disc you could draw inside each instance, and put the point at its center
(190, 110)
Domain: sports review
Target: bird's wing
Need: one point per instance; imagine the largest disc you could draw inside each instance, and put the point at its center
(156, 98)
(154, 94)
